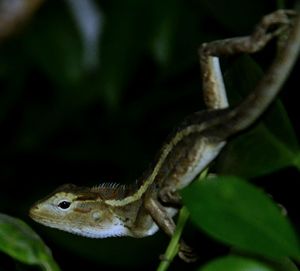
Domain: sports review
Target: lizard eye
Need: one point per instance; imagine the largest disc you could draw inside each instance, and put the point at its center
(64, 204)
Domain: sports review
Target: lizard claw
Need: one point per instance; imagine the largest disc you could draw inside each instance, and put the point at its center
(187, 253)
(167, 195)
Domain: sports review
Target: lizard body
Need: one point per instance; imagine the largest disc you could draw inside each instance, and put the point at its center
(141, 209)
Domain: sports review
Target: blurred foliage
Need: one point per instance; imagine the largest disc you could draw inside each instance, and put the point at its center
(234, 263)
(64, 118)
(238, 263)
(22, 243)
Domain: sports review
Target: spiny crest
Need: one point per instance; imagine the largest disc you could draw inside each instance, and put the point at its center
(107, 185)
(103, 191)
(110, 190)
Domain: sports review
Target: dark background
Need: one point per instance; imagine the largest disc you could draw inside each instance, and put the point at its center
(87, 111)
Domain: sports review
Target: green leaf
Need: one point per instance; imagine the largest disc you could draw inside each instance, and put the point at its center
(284, 265)
(239, 214)
(267, 146)
(255, 153)
(297, 161)
(244, 263)
(20, 242)
(235, 263)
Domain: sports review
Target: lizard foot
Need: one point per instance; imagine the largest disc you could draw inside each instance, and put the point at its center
(187, 253)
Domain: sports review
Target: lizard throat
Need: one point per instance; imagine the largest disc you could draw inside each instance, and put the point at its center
(115, 229)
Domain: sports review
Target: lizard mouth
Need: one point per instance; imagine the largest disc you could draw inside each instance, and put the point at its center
(44, 220)
(36, 215)
(33, 213)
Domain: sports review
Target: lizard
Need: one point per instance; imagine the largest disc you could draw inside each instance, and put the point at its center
(139, 210)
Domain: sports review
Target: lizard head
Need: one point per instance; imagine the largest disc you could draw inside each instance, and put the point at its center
(78, 210)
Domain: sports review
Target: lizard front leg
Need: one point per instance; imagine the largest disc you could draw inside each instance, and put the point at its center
(163, 218)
